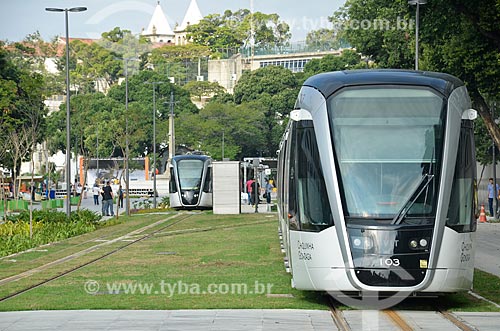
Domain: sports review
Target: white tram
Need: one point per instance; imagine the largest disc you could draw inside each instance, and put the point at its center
(191, 182)
(376, 183)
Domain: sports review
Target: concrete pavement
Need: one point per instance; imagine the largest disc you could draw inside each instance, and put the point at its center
(488, 248)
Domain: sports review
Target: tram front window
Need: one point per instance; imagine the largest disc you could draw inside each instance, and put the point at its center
(387, 142)
(190, 173)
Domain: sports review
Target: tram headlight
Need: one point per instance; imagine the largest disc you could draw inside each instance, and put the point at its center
(419, 243)
(365, 243)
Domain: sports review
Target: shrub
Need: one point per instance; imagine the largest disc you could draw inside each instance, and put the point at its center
(48, 226)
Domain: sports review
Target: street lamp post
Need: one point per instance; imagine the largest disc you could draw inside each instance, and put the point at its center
(417, 19)
(68, 140)
(127, 151)
(154, 140)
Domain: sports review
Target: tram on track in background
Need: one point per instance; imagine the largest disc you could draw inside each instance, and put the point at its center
(190, 184)
(376, 183)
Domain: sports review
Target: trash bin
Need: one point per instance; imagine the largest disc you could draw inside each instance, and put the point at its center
(74, 200)
(52, 194)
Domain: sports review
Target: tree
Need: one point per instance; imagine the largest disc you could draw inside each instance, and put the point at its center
(459, 37)
(468, 46)
(219, 32)
(323, 39)
(232, 30)
(240, 126)
(349, 59)
(95, 115)
(183, 63)
(371, 27)
(273, 90)
(21, 102)
(203, 89)
(93, 63)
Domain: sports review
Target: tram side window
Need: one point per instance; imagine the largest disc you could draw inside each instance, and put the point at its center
(281, 181)
(312, 198)
(207, 186)
(462, 203)
(172, 184)
(292, 197)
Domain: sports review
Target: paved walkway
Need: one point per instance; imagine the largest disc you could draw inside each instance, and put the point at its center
(488, 248)
(125, 320)
(243, 320)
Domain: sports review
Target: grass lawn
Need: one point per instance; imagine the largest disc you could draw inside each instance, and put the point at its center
(228, 262)
(204, 262)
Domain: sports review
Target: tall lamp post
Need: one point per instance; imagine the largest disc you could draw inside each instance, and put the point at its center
(154, 139)
(68, 142)
(417, 19)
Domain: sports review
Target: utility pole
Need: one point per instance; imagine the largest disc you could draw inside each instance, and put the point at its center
(252, 36)
(417, 19)
(154, 139)
(171, 129)
(127, 149)
(68, 114)
(495, 195)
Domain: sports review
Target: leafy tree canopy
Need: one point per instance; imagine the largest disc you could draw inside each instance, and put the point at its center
(273, 90)
(232, 30)
(459, 37)
(240, 127)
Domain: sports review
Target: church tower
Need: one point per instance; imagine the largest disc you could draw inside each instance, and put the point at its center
(193, 16)
(159, 30)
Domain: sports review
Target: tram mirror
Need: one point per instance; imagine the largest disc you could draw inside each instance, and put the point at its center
(469, 114)
(300, 115)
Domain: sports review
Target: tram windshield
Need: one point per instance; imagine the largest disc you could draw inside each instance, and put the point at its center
(190, 173)
(388, 143)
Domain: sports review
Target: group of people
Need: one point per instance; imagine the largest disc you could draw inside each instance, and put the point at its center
(107, 197)
(253, 191)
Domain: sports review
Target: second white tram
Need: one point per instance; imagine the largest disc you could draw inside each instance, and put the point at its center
(377, 183)
(191, 182)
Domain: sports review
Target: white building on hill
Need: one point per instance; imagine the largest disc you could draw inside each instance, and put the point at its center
(160, 31)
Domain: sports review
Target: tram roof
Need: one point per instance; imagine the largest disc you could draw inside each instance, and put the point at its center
(329, 83)
(191, 157)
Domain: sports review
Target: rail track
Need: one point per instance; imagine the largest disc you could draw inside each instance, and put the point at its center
(130, 238)
(391, 319)
(138, 232)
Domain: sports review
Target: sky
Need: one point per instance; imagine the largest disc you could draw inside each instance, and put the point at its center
(22, 17)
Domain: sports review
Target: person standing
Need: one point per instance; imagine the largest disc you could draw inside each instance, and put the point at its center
(120, 196)
(269, 189)
(95, 191)
(107, 200)
(491, 195)
(249, 191)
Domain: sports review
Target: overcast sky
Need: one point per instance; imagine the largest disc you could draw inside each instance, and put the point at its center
(20, 17)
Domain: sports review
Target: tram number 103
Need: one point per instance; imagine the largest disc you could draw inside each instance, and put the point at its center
(388, 262)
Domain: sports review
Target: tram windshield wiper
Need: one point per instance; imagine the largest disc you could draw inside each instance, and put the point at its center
(422, 185)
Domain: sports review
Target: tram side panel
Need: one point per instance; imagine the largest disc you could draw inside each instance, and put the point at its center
(317, 262)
